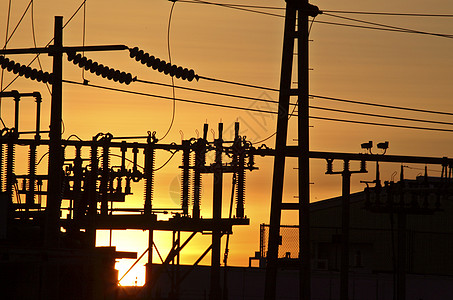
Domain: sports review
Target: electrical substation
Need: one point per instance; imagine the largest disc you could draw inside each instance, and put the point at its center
(48, 220)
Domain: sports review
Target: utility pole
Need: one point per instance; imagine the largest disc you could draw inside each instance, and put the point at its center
(215, 290)
(300, 10)
(52, 228)
(55, 167)
(345, 220)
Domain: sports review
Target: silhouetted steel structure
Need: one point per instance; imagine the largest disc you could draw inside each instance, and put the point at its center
(299, 10)
(85, 187)
(89, 185)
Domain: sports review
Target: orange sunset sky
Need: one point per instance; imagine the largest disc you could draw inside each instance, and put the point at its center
(375, 66)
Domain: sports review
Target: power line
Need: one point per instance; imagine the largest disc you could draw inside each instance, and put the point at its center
(6, 41)
(380, 115)
(259, 110)
(382, 27)
(170, 98)
(330, 98)
(361, 26)
(235, 5)
(275, 132)
(34, 41)
(18, 23)
(384, 105)
(238, 83)
(165, 163)
(84, 35)
(389, 26)
(172, 79)
(236, 8)
(51, 40)
(324, 10)
(389, 13)
(314, 96)
(381, 124)
(207, 91)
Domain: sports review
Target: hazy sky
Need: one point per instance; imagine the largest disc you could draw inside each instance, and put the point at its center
(393, 68)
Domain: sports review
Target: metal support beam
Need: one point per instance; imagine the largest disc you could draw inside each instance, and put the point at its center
(280, 151)
(401, 261)
(55, 169)
(304, 149)
(55, 151)
(51, 49)
(215, 290)
(344, 268)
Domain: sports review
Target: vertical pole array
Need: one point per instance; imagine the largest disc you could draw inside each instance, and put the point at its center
(300, 10)
(304, 149)
(55, 152)
(185, 184)
(280, 151)
(344, 269)
(50, 289)
(215, 292)
(149, 185)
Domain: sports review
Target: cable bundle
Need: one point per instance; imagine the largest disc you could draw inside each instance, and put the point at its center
(28, 72)
(99, 69)
(162, 65)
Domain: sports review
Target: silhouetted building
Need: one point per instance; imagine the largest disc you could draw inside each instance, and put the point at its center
(374, 234)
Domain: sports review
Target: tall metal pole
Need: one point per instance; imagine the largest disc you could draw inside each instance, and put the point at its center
(55, 152)
(401, 262)
(304, 149)
(149, 188)
(280, 151)
(344, 269)
(215, 292)
(51, 283)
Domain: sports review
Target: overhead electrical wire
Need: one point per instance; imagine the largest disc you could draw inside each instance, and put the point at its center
(324, 10)
(323, 97)
(314, 96)
(295, 105)
(380, 115)
(381, 124)
(275, 132)
(169, 98)
(258, 110)
(51, 40)
(236, 5)
(206, 91)
(389, 26)
(7, 24)
(363, 27)
(238, 83)
(18, 23)
(4, 46)
(331, 98)
(172, 79)
(333, 11)
(165, 163)
(34, 40)
(84, 35)
(384, 105)
(324, 108)
(236, 8)
(383, 27)
(397, 14)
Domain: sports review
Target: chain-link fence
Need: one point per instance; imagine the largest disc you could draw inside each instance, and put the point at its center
(289, 241)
